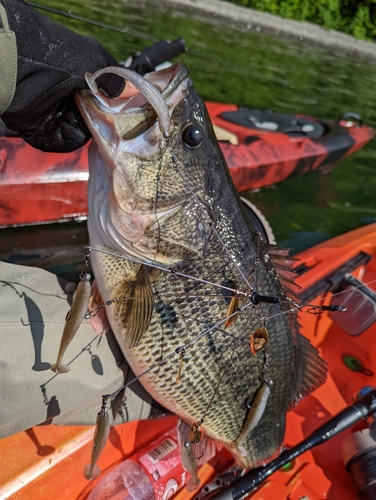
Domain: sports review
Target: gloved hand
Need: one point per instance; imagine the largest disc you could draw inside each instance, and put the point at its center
(52, 61)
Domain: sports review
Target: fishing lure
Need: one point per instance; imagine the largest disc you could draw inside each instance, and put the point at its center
(74, 318)
(151, 94)
(102, 430)
(189, 462)
(255, 413)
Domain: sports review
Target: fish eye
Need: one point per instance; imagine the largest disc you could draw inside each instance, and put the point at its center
(193, 135)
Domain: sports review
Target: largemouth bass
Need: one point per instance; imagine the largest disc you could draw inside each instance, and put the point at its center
(162, 198)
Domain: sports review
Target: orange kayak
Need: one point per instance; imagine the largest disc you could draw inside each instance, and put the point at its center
(260, 148)
(47, 462)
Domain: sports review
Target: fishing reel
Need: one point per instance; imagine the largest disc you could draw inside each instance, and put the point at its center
(359, 454)
(147, 60)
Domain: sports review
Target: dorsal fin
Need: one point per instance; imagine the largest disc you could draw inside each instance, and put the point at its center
(284, 271)
(312, 370)
(283, 266)
(277, 250)
(280, 255)
(290, 285)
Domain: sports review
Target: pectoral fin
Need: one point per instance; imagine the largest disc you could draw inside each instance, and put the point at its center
(284, 267)
(135, 301)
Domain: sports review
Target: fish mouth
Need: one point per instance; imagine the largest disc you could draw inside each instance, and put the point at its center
(132, 125)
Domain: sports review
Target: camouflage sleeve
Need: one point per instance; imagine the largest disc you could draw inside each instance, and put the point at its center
(8, 62)
(52, 61)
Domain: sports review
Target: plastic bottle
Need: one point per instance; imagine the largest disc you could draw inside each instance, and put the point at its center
(155, 473)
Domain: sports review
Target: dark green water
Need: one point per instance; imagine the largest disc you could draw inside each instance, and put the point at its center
(252, 68)
(248, 67)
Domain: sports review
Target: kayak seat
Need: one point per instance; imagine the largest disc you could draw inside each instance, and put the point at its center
(268, 121)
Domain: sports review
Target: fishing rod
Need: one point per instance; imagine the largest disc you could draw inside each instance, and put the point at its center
(170, 52)
(111, 27)
(69, 14)
(242, 486)
(142, 62)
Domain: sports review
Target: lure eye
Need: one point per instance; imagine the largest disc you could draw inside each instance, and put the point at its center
(193, 135)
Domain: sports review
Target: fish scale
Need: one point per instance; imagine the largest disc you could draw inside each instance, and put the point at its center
(206, 235)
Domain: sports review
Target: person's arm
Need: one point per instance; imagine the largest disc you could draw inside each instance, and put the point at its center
(51, 63)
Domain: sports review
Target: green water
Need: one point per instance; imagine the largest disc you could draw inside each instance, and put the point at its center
(248, 67)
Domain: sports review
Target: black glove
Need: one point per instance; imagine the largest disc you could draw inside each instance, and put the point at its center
(52, 61)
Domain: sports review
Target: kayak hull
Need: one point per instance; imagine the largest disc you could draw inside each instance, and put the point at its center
(37, 187)
(257, 158)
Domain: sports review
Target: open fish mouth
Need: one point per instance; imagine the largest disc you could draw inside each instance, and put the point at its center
(140, 122)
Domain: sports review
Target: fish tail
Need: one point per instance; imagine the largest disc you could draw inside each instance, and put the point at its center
(60, 367)
(241, 450)
(193, 483)
(239, 454)
(91, 472)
